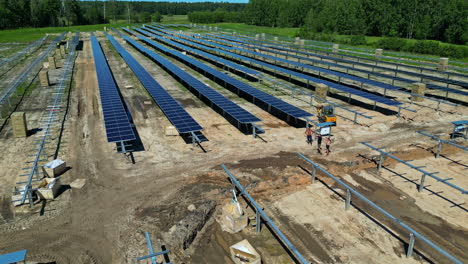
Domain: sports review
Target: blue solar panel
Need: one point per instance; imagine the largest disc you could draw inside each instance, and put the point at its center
(282, 70)
(182, 121)
(255, 93)
(360, 79)
(217, 59)
(116, 120)
(421, 75)
(226, 105)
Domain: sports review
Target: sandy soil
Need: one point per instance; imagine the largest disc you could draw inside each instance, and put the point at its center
(104, 221)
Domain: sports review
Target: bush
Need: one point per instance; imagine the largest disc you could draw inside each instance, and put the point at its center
(358, 40)
(426, 47)
(391, 43)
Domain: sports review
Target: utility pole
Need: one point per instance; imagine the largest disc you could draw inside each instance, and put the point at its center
(128, 9)
(104, 9)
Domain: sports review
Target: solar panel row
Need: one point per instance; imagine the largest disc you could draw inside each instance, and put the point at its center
(282, 70)
(226, 105)
(257, 94)
(228, 63)
(182, 121)
(421, 75)
(359, 79)
(116, 120)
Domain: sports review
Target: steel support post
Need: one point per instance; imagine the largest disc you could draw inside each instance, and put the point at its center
(439, 148)
(421, 184)
(314, 172)
(348, 199)
(409, 253)
(258, 221)
(381, 158)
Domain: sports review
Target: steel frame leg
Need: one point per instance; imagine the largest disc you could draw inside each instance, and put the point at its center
(314, 171)
(348, 199)
(439, 148)
(379, 165)
(409, 253)
(421, 184)
(259, 221)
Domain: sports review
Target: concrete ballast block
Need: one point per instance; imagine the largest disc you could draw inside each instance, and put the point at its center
(52, 65)
(321, 90)
(419, 89)
(44, 78)
(443, 64)
(378, 52)
(296, 40)
(18, 122)
(336, 47)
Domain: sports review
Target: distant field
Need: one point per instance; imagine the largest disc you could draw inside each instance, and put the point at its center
(32, 34)
(175, 19)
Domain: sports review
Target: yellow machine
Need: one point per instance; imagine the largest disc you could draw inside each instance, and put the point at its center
(326, 114)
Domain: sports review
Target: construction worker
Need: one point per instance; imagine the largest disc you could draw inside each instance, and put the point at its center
(309, 133)
(319, 144)
(327, 145)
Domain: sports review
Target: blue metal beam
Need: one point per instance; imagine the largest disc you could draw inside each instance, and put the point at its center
(265, 217)
(387, 214)
(424, 173)
(442, 140)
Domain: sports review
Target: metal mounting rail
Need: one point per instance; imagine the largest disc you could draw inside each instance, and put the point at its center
(261, 214)
(418, 168)
(385, 89)
(312, 97)
(49, 123)
(27, 49)
(24, 74)
(440, 142)
(349, 191)
(152, 254)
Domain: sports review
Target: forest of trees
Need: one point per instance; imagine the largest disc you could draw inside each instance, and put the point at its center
(42, 13)
(445, 20)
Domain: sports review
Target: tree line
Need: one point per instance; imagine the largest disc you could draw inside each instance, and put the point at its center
(43, 13)
(444, 20)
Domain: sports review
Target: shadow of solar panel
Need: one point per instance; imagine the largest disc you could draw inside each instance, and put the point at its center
(256, 93)
(177, 115)
(116, 120)
(226, 105)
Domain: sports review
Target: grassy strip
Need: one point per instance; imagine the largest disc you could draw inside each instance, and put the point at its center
(32, 34)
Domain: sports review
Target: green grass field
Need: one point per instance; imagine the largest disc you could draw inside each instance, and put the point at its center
(175, 19)
(32, 34)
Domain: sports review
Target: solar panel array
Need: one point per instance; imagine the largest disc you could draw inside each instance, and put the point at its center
(213, 58)
(440, 79)
(116, 120)
(420, 75)
(360, 79)
(182, 121)
(257, 94)
(226, 105)
(282, 70)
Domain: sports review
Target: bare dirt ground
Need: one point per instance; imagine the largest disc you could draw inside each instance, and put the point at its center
(104, 221)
